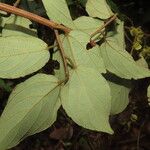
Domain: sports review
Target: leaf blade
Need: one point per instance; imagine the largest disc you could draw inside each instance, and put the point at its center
(98, 8)
(58, 11)
(119, 62)
(22, 56)
(28, 106)
(75, 48)
(119, 97)
(16, 25)
(86, 99)
(87, 24)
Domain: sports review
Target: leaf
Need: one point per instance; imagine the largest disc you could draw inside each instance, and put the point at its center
(16, 25)
(136, 32)
(120, 62)
(75, 48)
(31, 108)
(86, 99)
(142, 62)
(58, 11)
(99, 9)
(87, 24)
(119, 37)
(137, 46)
(119, 97)
(21, 55)
(60, 74)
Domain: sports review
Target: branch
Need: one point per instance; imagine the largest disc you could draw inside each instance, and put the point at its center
(106, 24)
(62, 53)
(33, 17)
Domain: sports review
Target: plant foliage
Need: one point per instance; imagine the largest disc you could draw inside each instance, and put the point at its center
(87, 97)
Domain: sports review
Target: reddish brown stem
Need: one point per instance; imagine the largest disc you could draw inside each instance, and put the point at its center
(62, 52)
(33, 17)
(106, 24)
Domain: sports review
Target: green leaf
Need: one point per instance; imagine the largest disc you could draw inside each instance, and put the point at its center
(137, 45)
(120, 62)
(75, 48)
(60, 73)
(119, 97)
(119, 36)
(58, 11)
(87, 24)
(99, 9)
(31, 108)
(142, 62)
(21, 55)
(16, 25)
(86, 99)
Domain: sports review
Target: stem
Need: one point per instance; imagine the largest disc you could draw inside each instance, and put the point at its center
(71, 63)
(126, 35)
(17, 3)
(103, 26)
(98, 37)
(51, 46)
(33, 17)
(62, 55)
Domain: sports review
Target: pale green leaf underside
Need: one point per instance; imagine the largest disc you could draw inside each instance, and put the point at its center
(86, 99)
(31, 108)
(119, 97)
(16, 25)
(88, 24)
(120, 62)
(21, 55)
(60, 74)
(75, 48)
(98, 8)
(58, 11)
(13, 19)
(119, 36)
(142, 62)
